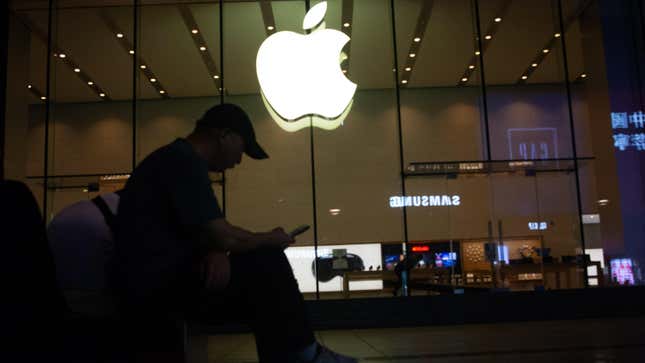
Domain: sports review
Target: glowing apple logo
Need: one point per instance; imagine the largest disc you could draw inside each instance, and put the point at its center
(300, 76)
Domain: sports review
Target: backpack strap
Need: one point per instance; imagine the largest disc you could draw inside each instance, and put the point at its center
(110, 218)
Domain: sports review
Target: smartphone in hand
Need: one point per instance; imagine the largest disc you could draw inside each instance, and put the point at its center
(299, 230)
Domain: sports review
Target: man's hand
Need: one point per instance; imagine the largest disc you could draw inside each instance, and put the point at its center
(278, 237)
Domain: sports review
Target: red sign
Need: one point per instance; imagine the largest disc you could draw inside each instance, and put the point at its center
(420, 248)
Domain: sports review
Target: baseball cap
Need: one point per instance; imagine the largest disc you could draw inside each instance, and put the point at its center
(232, 117)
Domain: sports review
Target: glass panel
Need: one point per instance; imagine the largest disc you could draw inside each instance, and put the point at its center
(24, 120)
(179, 70)
(357, 165)
(264, 194)
(89, 127)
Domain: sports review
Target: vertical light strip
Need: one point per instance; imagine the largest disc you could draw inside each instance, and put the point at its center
(487, 38)
(65, 58)
(415, 43)
(144, 67)
(200, 44)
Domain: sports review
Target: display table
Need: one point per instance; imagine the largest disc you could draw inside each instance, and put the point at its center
(569, 273)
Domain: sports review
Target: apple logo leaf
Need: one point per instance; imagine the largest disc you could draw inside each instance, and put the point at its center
(315, 16)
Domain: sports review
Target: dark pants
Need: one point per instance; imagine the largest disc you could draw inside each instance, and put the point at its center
(262, 293)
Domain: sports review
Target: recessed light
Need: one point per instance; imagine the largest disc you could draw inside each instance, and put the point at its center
(216, 76)
(464, 79)
(270, 27)
(525, 77)
(603, 201)
(162, 91)
(557, 35)
(534, 65)
(153, 80)
(131, 51)
(497, 20)
(488, 37)
(77, 70)
(417, 39)
(346, 25)
(478, 53)
(545, 51)
(202, 48)
(471, 67)
(194, 31)
(412, 55)
(90, 83)
(102, 94)
(119, 35)
(334, 211)
(43, 97)
(62, 55)
(584, 75)
(29, 86)
(404, 81)
(143, 66)
(408, 69)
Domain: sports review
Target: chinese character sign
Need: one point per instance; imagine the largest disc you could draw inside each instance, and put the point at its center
(629, 130)
(621, 271)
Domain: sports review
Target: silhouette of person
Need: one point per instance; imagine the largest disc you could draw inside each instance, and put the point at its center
(178, 257)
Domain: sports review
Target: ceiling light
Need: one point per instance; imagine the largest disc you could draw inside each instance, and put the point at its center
(417, 39)
(545, 51)
(584, 75)
(216, 76)
(346, 25)
(194, 31)
(412, 55)
(471, 67)
(488, 37)
(131, 51)
(534, 65)
(404, 81)
(29, 86)
(119, 35)
(408, 69)
(344, 70)
(90, 83)
(478, 53)
(77, 70)
(162, 91)
(43, 97)
(334, 211)
(153, 80)
(202, 48)
(525, 77)
(102, 94)
(497, 20)
(143, 66)
(557, 35)
(62, 55)
(464, 79)
(270, 27)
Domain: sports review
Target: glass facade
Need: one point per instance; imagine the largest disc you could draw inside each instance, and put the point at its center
(478, 143)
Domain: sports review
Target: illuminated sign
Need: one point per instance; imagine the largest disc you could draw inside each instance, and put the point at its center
(538, 226)
(629, 130)
(420, 248)
(532, 143)
(425, 201)
(300, 77)
(622, 271)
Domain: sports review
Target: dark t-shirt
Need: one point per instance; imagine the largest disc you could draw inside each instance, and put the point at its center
(167, 196)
